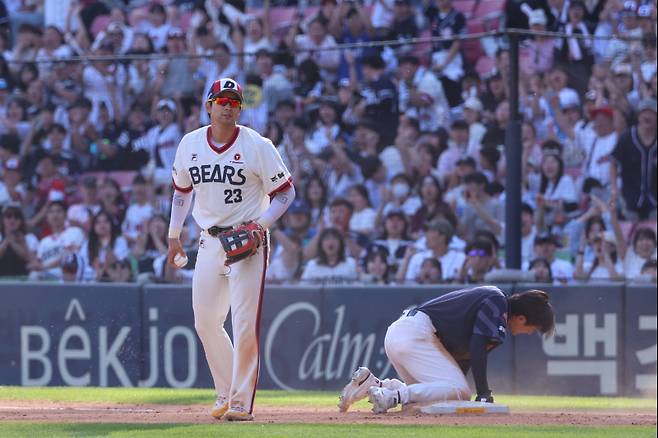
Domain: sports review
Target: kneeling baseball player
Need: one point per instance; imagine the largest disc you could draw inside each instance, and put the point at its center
(433, 346)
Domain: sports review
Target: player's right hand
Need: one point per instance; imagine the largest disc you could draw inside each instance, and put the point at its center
(175, 248)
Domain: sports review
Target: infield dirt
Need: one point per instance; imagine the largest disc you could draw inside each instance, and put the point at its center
(68, 412)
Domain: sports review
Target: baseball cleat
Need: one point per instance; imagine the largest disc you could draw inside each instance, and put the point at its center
(237, 414)
(382, 399)
(357, 389)
(220, 408)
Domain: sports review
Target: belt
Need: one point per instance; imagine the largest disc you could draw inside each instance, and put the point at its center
(215, 230)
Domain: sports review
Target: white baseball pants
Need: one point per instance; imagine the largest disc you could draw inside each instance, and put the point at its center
(215, 288)
(429, 372)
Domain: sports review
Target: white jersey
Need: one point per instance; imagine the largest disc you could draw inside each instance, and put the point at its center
(232, 183)
(54, 246)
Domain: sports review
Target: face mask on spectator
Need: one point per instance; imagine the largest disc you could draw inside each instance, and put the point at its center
(400, 190)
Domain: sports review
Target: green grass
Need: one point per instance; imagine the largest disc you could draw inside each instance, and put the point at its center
(300, 398)
(21, 430)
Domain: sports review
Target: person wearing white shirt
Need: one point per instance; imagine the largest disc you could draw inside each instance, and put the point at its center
(545, 247)
(55, 246)
(139, 211)
(104, 246)
(331, 263)
(80, 214)
(643, 250)
(315, 45)
(438, 235)
(421, 95)
(363, 216)
(528, 232)
(597, 142)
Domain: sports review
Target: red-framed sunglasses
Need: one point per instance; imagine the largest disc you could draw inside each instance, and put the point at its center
(223, 101)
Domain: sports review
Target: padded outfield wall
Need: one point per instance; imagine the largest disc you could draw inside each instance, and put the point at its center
(311, 338)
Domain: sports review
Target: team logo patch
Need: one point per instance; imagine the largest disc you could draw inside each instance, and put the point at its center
(277, 177)
(194, 157)
(236, 157)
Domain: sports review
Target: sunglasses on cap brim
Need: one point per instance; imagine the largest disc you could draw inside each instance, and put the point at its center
(223, 101)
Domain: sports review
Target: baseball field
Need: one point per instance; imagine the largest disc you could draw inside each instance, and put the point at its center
(159, 412)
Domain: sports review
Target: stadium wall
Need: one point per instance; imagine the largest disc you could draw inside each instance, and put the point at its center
(311, 338)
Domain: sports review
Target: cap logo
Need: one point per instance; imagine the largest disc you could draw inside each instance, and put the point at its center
(229, 84)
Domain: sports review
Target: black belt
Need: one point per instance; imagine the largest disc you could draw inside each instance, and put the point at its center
(215, 230)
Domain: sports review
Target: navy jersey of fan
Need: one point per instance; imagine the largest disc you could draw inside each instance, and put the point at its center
(458, 315)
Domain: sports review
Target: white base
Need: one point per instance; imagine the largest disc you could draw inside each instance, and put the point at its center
(465, 408)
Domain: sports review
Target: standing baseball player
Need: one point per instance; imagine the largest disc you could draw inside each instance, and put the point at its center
(241, 187)
(432, 346)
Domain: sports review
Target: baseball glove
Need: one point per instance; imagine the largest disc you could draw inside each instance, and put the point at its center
(242, 242)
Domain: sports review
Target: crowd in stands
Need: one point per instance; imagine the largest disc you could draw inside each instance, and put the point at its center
(397, 151)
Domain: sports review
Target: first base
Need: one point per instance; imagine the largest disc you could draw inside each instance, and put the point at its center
(465, 408)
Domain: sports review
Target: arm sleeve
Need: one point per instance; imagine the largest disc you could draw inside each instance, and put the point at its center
(180, 206)
(280, 203)
(478, 350)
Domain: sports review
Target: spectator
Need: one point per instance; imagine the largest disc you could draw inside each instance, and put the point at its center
(479, 261)
(331, 263)
(557, 195)
(14, 121)
(421, 95)
(528, 231)
(472, 113)
(176, 79)
(80, 214)
(607, 263)
(635, 150)
(480, 211)
(438, 235)
(156, 26)
(257, 38)
(545, 246)
(350, 24)
(459, 147)
(576, 53)
(103, 247)
(447, 63)
(363, 217)
(17, 247)
(150, 243)
(642, 251)
(162, 140)
(111, 200)
(597, 142)
(291, 242)
(380, 103)
(395, 238)
(433, 206)
(430, 272)
(542, 270)
(316, 45)
(12, 190)
(375, 267)
(53, 248)
(316, 197)
(139, 211)
(536, 52)
(400, 197)
(327, 129)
